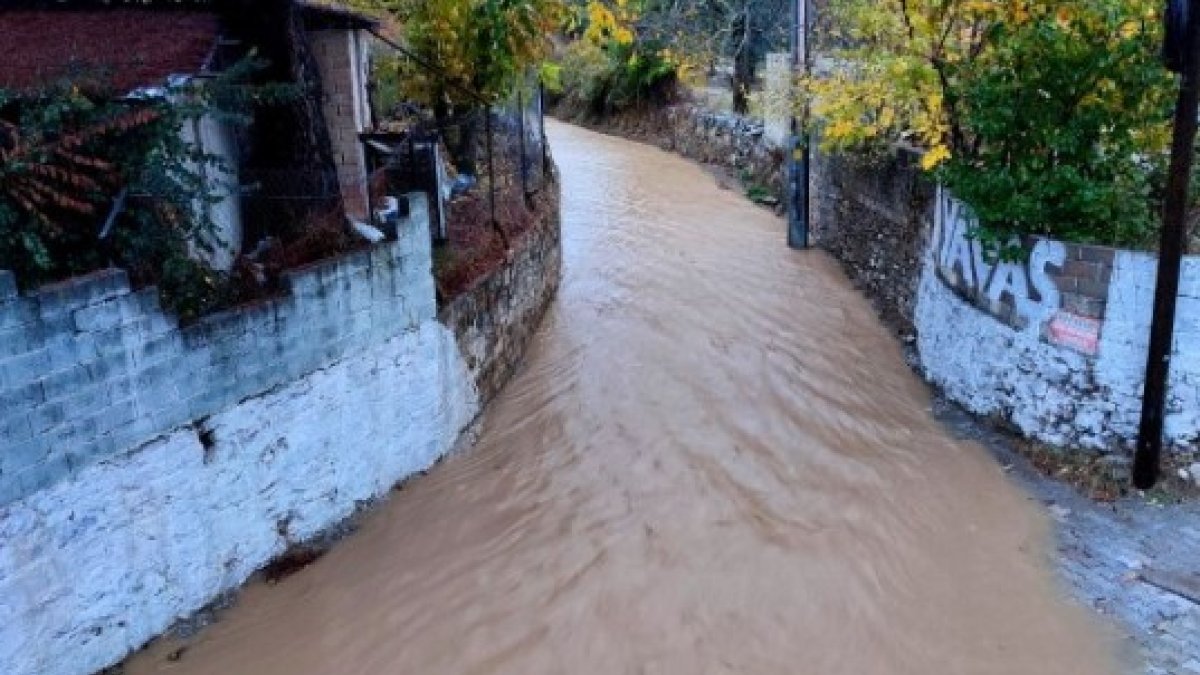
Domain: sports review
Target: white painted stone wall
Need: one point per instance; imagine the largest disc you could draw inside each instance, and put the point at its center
(1053, 392)
(778, 99)
(97, 560)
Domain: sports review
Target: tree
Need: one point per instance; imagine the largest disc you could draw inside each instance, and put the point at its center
(470, 53)
(1047, 117)
(743, 31)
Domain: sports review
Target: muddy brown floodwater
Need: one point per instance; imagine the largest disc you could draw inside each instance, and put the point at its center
(714, 460)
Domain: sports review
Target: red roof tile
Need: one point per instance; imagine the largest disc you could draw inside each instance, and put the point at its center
(131, 48)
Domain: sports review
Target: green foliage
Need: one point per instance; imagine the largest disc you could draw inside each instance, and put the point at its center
(90, 179)
(1047, 117)
(761, 194)
(1066, 121)
(388, 79)
(477, 47)
(552, 78)
(642, 74)
(613, 70)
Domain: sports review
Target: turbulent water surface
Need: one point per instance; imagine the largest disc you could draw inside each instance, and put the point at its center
(713, 460)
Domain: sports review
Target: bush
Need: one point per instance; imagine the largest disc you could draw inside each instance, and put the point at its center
(90, 179)
(1067, 121)
(68, 152)
(1045, 117)
(604, 79)
(609, 66)
(586, 75)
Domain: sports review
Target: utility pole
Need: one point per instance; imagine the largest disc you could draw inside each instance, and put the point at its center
(799, 158)
(1181, 53)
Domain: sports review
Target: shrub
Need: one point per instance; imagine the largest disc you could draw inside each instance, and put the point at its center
(67, 155)
(1045, 117)
(610, 67)
(587, 74)
(91, 179)
(1066, 121)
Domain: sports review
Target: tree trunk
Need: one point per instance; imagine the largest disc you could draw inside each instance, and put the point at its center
(743, 65)
(466, 152)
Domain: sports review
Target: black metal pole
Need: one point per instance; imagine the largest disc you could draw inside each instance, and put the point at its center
(542, 130)
(521, 130)
(491, 165)
(1147, 460)
(798, 160)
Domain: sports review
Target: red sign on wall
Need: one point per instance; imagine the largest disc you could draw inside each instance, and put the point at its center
(1077, 332)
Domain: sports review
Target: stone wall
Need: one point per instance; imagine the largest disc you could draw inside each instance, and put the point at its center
(147, 468)
(873, 218)
(496, 318)
(1055, 346)
(729, 141)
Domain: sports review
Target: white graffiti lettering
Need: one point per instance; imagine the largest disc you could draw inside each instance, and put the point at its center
(961, 259)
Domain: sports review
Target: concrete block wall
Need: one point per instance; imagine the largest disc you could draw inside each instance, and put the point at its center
(89, 368)
(146, 467)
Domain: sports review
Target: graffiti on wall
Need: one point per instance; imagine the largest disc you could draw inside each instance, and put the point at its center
(962, 262)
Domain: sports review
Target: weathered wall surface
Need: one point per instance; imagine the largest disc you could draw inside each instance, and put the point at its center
(495, 320)
(874, 219)
(733, 142)
(147, 468)
(729, 141)
(1055, 346)
(90, 369)
(341, 57)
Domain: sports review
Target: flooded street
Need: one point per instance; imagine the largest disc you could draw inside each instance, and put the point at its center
(714, 460)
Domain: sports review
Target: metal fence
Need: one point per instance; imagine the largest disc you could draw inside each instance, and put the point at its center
(480, 170)
(480, 163)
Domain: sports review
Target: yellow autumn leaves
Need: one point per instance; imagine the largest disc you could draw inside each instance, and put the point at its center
(480, 46)
(610, 22)
(885, 81)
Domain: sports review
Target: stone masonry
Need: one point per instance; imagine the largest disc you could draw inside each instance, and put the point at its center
(1054, 346)
(729, 141)
(496, 318)
(148, 468)
(873, 219)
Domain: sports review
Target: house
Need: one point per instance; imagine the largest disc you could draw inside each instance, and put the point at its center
(155, 49)
(341, 43)
(150, 47)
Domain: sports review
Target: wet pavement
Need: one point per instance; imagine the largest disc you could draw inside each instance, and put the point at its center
(1106, 551)
(714, 460)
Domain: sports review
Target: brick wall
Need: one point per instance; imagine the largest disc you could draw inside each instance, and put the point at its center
(340, 61)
